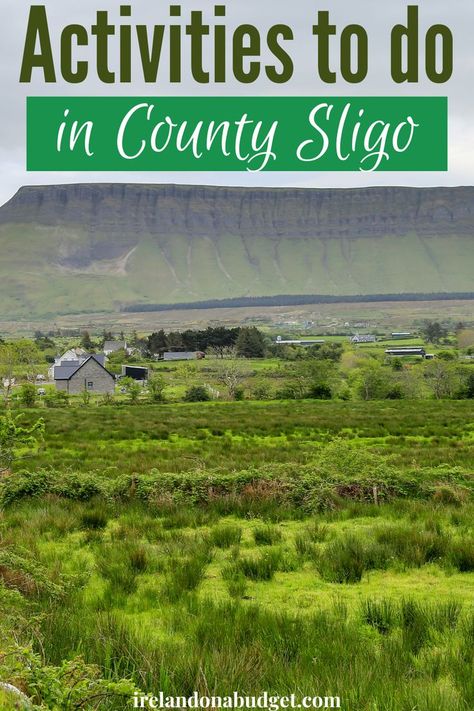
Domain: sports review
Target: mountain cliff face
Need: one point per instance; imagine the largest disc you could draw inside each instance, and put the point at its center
(84, 248)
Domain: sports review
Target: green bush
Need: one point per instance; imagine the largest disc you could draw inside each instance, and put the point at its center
(197, 393)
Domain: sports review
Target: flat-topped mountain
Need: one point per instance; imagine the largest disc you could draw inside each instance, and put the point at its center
(104, 247)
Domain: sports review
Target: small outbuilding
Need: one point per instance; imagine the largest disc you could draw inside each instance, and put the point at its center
(137, 372)
(89, 375)
(400, 352)
(183, 355)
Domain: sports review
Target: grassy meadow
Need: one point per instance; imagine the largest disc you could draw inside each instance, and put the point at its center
(315, 548)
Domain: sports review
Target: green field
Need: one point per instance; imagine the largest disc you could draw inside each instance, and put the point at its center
(178, 437)
(315, 548)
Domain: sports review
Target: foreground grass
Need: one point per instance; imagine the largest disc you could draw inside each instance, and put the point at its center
(261, 554)
(182, 599)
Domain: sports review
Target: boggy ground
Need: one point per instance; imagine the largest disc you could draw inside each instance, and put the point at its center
(291, 560)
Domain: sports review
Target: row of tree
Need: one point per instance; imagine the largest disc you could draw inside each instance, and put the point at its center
(247, 342)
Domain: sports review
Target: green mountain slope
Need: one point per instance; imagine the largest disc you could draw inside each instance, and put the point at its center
(89, 248)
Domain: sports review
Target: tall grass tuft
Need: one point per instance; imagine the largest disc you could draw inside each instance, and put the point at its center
(226, 535)
(380, 614)
(267, 535)
(344, 560)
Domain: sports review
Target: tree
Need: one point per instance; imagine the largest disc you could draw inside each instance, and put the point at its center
(86, 341)
(433, 331)
(156, 387)
(469, 387)
(132, 388)
(327, 351)
(443, 378)
(313, 378)
(157, 342)
(22, 354)
(231, 374)
(28, 395)
(250, 343)
(373, 381)
(106, 336)
(15, 439)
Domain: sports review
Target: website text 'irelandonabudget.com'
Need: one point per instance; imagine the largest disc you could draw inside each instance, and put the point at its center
(265, 700)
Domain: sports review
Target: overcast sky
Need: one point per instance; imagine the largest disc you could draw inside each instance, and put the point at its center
(378, 16)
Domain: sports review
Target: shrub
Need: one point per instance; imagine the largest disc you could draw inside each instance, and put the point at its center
(156, 388)
(197, 393)
(57, 398)
(226, 535)
(28, 395)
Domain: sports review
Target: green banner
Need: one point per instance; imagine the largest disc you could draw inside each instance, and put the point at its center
(237, 134)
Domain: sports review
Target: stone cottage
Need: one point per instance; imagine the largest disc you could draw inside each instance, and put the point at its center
(89, 375)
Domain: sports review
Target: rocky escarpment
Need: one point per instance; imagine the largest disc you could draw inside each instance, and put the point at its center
(166, 243)
(201, 210)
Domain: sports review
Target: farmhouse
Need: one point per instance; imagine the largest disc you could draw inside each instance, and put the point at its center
(90, 375)
(72, 357)
(364, 338)
(115, 346)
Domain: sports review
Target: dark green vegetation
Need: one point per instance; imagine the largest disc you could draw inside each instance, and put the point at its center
(102, 248)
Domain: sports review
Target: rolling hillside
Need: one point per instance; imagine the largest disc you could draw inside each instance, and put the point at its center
(89, 248)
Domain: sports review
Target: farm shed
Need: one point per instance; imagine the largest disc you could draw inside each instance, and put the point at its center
(400, 352)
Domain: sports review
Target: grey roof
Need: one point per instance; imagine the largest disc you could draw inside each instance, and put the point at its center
(65, 372)
(99, 357)
(114, 345)
(179, 355)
